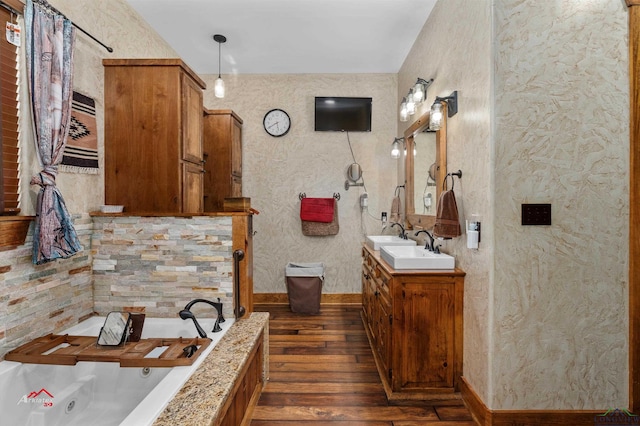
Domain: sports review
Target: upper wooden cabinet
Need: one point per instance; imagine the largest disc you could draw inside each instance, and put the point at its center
(222, 146)
(414, 321)
(153, 136)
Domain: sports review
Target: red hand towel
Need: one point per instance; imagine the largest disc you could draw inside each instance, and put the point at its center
(317, 209)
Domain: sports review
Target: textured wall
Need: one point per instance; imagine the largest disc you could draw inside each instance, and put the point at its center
(560, 322)
(454, 48)
(543, 117)
(276, 170)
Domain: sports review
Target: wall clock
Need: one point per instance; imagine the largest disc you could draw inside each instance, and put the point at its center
(277, 122)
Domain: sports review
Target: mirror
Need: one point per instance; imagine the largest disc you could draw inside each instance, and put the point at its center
(115, 330)
(354, 172)
(424, 171)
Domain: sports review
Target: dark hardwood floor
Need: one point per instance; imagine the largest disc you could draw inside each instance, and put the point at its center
(322, 372)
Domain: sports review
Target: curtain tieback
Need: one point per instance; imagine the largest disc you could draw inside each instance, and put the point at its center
(47, 177)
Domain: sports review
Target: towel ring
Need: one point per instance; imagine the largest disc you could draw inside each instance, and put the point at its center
(453, 181)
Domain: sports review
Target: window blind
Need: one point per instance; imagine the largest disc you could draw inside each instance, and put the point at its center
(9, 122)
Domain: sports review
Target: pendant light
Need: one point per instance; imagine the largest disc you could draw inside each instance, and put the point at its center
(218, 88)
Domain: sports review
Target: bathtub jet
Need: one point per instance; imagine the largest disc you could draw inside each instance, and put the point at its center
(187, 314)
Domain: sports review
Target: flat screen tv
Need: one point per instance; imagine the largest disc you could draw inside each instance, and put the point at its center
(343, 114)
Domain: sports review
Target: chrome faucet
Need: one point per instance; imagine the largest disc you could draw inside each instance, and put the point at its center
(402, 234)
(430, 244)
(187, 314)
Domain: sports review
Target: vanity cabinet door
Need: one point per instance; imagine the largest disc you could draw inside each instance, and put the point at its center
(424, 347)
(191, 188)
(191, 120)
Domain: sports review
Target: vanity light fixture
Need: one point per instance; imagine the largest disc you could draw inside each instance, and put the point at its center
(435, 117)
(395, 147)
(417, 94)
(411, 104)
(420, 90)
(404, 115)
(218, 88)
(415, 151)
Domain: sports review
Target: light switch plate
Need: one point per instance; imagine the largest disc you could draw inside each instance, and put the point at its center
(536, 214)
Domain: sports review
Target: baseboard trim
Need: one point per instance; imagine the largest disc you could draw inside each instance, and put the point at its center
(326, 299)
(486, 417)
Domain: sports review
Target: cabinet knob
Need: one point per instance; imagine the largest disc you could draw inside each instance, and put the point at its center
(444, 364)
(367, 276)
(377, 293)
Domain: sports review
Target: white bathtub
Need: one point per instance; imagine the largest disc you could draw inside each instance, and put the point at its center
(98, 393)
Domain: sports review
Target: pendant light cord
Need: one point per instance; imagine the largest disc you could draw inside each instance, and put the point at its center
(219, 46)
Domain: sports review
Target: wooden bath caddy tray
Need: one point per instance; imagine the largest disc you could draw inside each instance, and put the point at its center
(84, 348)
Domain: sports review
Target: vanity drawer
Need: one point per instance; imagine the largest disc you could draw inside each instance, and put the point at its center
(383, 279)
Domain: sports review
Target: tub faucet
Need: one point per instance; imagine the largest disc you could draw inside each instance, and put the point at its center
(402, 234)
(187, 314)
(430, 241)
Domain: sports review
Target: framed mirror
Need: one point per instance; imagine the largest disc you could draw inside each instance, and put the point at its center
(424, 171)
(115, 330)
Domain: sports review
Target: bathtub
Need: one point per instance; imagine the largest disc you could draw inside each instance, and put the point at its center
(98, 393)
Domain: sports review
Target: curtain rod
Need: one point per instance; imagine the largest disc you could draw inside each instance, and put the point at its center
(11, 9)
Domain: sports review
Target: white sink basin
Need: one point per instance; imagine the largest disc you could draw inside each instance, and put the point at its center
(404, 257)
(377, 241)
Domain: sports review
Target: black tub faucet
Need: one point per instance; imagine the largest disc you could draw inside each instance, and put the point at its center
(187, 314)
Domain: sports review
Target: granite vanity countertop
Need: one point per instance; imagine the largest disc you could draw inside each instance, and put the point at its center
(202, 397)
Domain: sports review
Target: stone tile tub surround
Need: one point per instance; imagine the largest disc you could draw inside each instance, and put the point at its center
(161, 263)
(39, 299)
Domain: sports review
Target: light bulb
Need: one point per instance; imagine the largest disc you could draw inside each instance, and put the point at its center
(395, 149)
(219, 88)
(411, 104)
(404, 115)
(418, 93)
(435, 117)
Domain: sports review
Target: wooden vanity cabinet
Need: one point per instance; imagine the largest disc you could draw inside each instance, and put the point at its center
(222, 145)
(153, 136)
(414, 323)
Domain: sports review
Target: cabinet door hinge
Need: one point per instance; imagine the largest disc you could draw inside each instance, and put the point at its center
(390, 319)
(390, 373)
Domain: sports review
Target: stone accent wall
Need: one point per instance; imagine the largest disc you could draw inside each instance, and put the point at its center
(39, 299)
(161, 263)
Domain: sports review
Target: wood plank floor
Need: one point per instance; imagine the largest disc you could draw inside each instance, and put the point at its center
(322, 372)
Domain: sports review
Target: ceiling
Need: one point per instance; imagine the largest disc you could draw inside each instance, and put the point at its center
(289, 36)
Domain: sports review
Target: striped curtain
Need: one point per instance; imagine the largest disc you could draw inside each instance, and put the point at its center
(49, 46)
